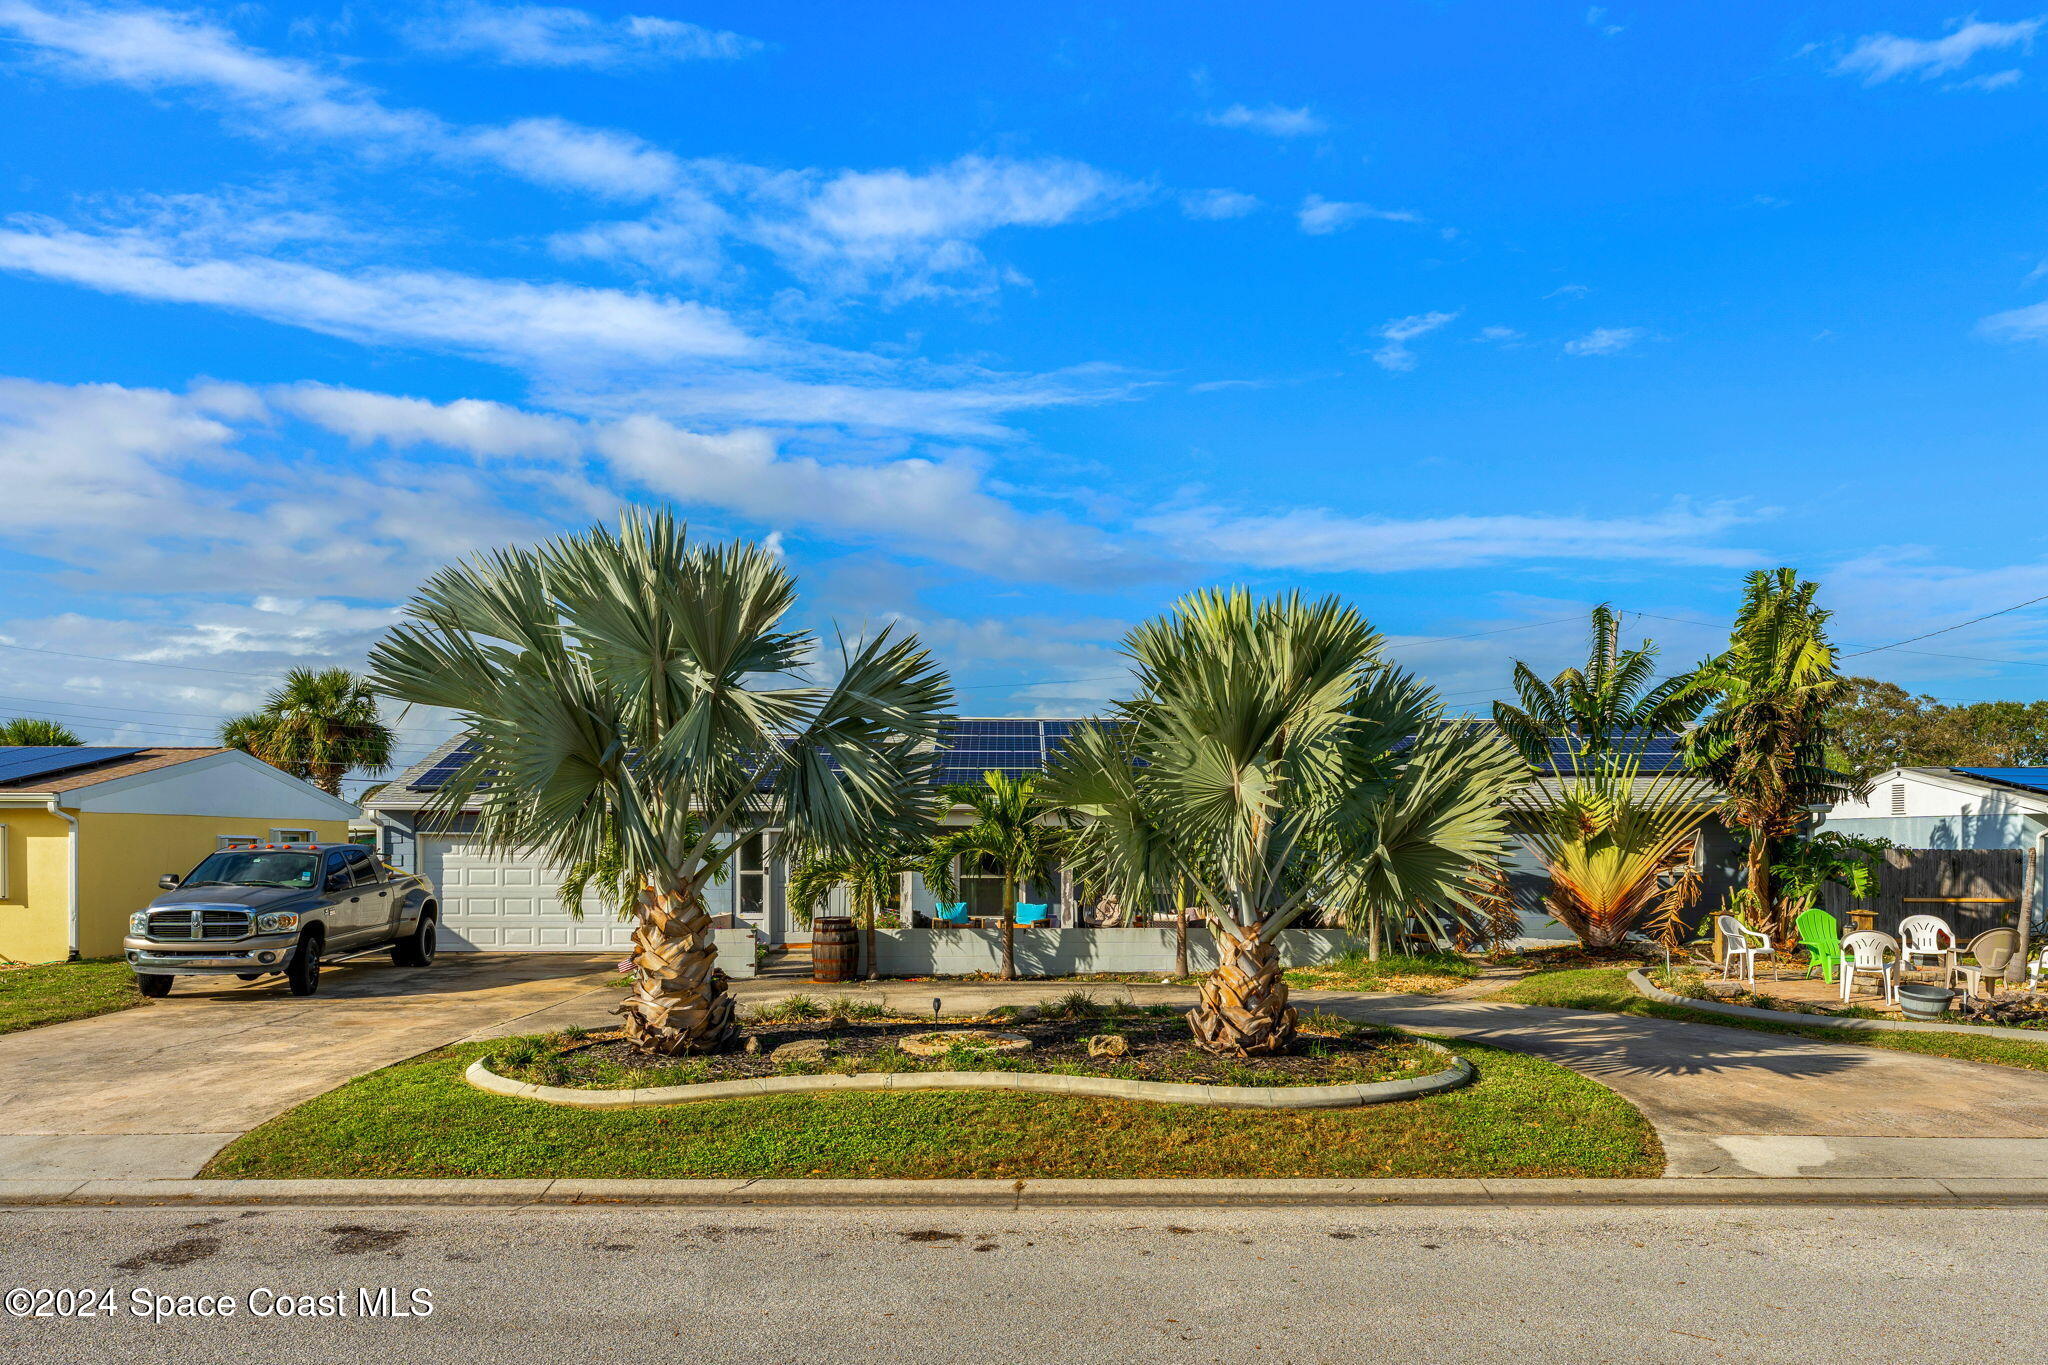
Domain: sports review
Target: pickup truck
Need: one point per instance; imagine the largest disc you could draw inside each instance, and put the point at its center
(254, 910)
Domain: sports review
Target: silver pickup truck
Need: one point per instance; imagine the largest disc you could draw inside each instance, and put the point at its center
(253, 910)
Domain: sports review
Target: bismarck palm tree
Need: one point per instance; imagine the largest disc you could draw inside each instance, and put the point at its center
(34, 733)
(1611, 698)
(1015, 832)
(1766, 742)
(318, 724)
(870, 877)
(1295, 772)
(637, 702)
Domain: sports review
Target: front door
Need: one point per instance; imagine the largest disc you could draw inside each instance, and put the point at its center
(753, 890)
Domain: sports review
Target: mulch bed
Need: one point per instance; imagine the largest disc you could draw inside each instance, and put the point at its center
(1157, 1049)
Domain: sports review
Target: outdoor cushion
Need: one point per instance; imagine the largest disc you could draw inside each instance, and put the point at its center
(950, 914)
(1030, 914)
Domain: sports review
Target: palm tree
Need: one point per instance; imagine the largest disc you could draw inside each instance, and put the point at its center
(1591, 707)
(1616, 845)
(1116, 843)
(42, 734)
(870, 877)
(1014, 835)
(636, 700)
(1296, 773)
(318, 724)
(1766, 742)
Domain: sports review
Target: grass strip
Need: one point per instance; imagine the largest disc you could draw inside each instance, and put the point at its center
(60, 991)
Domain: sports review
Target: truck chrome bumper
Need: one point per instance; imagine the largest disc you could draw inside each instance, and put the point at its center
(268, 954)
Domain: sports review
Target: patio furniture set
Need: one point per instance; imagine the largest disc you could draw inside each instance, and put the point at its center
(1923, 942)
(954, 915)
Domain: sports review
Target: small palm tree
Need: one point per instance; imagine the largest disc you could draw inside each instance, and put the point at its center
(1295, 773)
(318, 724)
(871, 878)
(34, 733)
(1015, 834)
(1590, 708)
(636, 705)
(1766, 743)
(1617, 845)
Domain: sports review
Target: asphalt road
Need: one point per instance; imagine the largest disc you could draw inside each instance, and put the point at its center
(1415, 1285)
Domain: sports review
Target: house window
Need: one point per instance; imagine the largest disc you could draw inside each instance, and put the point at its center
(751, 881)
(981, 886)
(6, 887)
(1898, 798)
(230, 840)
(292, 836)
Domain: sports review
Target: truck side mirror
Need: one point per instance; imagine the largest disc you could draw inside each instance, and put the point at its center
(169, 881)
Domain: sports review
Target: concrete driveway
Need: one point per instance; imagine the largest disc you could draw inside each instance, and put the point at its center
(153, 1092)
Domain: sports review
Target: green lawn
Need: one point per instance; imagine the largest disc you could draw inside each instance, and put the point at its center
(50, 994)
(1423, 974)
(1607, 988)
(1522, 1117)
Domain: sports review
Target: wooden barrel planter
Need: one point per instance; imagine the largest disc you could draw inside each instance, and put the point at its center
(835, 950)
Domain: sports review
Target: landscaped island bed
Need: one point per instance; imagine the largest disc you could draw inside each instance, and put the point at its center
(1520, 1117)
(1136, 1043)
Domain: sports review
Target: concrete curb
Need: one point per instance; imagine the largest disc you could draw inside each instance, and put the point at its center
(1644, 986)
(1030, 1194)
(1102, 1087)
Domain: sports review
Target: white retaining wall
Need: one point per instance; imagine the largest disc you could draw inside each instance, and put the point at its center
(1070, 952)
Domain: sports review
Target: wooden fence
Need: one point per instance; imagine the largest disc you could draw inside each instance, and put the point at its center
(1974, 889)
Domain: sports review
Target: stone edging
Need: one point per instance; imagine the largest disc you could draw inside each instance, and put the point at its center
(1644, 986)
(1104, 1087)
(1023, 1195)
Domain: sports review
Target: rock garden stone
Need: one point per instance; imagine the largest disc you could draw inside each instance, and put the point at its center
(1108, 1045)
(932, 1044)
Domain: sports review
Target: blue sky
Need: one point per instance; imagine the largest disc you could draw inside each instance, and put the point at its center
(1015, 323)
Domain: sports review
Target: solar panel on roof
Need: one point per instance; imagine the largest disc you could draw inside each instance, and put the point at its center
(21, 762)
(2033, 779)
(437, 777)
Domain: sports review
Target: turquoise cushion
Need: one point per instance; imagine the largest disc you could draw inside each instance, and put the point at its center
(1030, 914)
(950, 914)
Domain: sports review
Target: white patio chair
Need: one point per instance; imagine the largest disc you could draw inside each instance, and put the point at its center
(1739, 941)
(1991, 950)
(1925, 936)
(1864, 952)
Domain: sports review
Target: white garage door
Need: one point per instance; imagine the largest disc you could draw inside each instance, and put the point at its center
(499, 903)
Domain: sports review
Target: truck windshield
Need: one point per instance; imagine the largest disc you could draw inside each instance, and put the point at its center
(256, 867)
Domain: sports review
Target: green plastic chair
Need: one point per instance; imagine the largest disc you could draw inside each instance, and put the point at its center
(1822, 939)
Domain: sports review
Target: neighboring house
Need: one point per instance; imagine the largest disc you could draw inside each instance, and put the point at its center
(85, 832)
(501, 901)
(1950, 808)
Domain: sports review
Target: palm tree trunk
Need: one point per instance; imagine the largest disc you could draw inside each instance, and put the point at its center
(874, 912)
(1180, 941)
(1009, 927)
(1759, 858)
(1372, 933)
(327, 777)
(679, 1002)
(1244, 1010)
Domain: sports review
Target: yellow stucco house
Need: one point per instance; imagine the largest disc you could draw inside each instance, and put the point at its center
(86, 833)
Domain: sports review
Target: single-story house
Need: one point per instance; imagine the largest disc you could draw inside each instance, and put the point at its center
(499, 902)
(1950, 808)
(86, 831)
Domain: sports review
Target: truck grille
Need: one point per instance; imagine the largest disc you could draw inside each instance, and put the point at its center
(198, 924)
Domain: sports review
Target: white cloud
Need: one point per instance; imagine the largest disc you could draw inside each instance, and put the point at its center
(1605, 341)
(1319, 216)
(1499, 334)
(548, 35)
(1597, 20)
(510, 319)
(1996, 80)
(2017, 324)
(1398, 332)
(1319, 540)
(1880, 57)
(1271, 119)
(156, 49)
(467, 424)
(1214, 204)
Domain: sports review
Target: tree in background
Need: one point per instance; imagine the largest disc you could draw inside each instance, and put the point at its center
(1294, 772)
(318, 724)
(1015, 834)
(635, 701)
(1879, 725)
(1117, 844)
(1766, 742)
(34, 733)
(1610, 698)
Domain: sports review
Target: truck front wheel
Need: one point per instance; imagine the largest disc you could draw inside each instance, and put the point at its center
(303, 975)
(155, 985)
